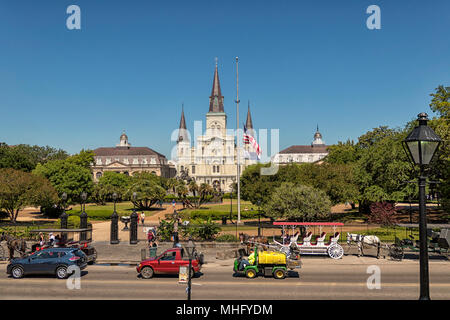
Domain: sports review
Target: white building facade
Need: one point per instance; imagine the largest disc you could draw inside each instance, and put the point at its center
(303, 153)
(214, 158)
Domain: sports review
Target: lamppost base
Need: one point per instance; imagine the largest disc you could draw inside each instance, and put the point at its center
(114, 242)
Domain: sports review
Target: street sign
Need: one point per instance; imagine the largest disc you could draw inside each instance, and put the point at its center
(183, 274)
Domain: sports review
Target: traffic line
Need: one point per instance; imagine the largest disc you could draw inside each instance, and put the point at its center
(150, 282)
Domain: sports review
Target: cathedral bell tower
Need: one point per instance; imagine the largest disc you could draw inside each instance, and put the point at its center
(183, 142)
(216, 119)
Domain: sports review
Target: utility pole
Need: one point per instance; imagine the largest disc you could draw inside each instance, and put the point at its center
(238, 145)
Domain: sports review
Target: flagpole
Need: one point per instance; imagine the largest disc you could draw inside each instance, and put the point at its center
(238, 144)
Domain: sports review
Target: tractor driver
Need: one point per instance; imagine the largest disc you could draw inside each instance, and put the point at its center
(250, 261)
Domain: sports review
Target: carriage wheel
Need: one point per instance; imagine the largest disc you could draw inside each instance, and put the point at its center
(2, 254)
(94, 257)
(396, 252)
(335, 251)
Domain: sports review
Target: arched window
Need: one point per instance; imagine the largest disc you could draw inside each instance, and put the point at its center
(98, 175)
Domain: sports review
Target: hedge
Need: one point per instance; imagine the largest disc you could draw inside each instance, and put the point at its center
(217, 215)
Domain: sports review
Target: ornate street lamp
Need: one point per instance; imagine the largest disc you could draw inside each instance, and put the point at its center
(114, 239)
(422, 143)
(83, 216)
(190, 247)
(133, 222)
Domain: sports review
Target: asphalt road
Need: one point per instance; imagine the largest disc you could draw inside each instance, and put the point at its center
(318, 279)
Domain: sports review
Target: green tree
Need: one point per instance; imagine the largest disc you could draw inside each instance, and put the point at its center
(25, 157)
(440, 104)
(383, 168)
(19, 189)
(336, 179)
(85, 159)
(342, 153)
(297, 202)
(256, 187)
(148, 188)
(193, 187)
(66, 176)
(110, 183)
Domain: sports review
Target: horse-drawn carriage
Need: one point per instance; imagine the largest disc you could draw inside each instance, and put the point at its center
(332, 248)
(64, 238)
(70, 238)
(438, 243)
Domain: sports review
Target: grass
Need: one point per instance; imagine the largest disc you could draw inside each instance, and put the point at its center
(104, 212)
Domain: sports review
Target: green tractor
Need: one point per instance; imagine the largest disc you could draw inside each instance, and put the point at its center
(269, 263)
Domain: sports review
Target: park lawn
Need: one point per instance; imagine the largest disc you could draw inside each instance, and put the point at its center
(104, 212)
(217, 211)
(224, 207)
(388, 234)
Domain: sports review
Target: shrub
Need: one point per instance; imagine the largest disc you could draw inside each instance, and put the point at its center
(226, 238)
(217, 215)
(202, 230)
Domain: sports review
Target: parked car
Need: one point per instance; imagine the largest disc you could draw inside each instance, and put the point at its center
(48, 261)
(169, 262)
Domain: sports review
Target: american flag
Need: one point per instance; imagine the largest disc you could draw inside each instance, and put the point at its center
(249, 139)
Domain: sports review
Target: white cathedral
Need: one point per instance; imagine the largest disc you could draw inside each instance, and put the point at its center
(214, 159)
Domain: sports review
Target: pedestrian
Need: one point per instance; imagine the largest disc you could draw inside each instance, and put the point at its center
(142, 217)
(41, 239)
(173, 204)
(51, 239)
(150, 238)
(175, 233)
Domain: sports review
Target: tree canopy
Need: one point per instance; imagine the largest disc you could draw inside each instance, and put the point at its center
(72, 175)
(25, 157)
(148, 188)
(297, 202)
(19, 189)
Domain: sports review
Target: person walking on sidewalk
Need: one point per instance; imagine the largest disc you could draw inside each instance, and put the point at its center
(142, 217)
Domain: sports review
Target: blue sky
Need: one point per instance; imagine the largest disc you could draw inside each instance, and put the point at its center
(133, 63)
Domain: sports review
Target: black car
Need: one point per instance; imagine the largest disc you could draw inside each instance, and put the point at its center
(48, 261)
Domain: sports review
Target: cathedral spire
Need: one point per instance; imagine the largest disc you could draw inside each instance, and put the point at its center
(249, 123)
(216, 98)
(182, 132)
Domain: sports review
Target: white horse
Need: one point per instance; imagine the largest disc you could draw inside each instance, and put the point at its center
(361, 239)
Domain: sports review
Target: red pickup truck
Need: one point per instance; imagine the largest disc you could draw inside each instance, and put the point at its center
(169, 263)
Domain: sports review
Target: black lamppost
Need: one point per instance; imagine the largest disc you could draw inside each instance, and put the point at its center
(422, 143)
(63, 217)
(114, 223)
(83, 216)
(133, 222)
(259, 217)
(190, 251)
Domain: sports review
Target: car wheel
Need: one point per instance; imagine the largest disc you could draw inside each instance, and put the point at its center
(61, 272)
(147, 272)
(17, 272)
